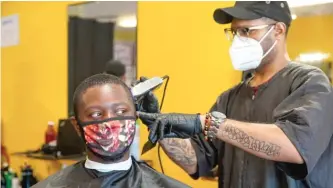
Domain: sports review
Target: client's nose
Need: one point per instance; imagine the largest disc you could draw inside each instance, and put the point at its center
(103, 127)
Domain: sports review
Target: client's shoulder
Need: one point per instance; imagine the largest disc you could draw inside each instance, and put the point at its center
(63, 177)
(153, 177)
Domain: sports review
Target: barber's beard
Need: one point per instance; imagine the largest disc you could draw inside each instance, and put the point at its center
(269, 58)
(109, 140)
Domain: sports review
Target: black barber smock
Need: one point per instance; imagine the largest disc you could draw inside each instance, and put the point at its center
(140, 175)
(298, 100)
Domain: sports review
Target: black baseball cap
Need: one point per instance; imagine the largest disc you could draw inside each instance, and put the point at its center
(251, 10)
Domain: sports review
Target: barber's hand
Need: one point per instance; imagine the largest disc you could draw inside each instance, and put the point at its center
(171, 125)
(149, 103)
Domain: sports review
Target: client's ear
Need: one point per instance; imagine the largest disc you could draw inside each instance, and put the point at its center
(76, 126)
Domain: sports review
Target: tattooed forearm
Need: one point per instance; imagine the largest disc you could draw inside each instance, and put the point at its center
(233, 133)
(181, 152)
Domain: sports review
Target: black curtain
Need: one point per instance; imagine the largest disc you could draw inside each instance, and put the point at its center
(90, 46)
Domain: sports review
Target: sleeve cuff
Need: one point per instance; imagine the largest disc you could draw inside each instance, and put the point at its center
(296, 171)
(206, 160)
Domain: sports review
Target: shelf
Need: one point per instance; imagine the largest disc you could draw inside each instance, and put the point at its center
(51, 157)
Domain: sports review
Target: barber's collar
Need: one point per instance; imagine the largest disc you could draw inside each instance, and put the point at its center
(124, 165)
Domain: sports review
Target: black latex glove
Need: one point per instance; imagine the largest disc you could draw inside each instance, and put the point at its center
(172, 125)
(148, 103)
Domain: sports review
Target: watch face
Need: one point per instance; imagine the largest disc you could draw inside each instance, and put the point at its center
(218, 115)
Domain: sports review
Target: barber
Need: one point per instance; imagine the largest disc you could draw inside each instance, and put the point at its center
(274, 130)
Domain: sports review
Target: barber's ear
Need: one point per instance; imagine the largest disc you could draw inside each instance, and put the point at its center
(76, 126)
(280, 30)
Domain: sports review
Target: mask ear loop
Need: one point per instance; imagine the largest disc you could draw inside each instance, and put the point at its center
(271, 48)
(265, 35)
(268, 51)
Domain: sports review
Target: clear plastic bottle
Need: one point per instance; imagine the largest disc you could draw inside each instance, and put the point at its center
(16, 182)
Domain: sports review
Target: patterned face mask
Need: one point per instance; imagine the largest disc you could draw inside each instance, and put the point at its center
(109, 139)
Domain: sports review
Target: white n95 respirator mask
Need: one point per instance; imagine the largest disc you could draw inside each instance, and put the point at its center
(247, 53)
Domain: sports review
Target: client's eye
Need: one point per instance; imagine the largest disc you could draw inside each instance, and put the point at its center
(96, 114)
(121, 111)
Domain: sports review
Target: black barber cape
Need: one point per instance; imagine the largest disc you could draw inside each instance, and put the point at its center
(298, 100)
(140, 175)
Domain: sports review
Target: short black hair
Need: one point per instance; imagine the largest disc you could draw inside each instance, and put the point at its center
(115, 68)
(98, 80)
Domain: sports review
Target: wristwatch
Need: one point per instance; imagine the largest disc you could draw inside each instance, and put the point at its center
(213, 119)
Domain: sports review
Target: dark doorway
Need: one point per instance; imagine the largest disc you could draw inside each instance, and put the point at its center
(99, 32)
(90, 46)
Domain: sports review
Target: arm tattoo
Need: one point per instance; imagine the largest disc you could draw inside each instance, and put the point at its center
(180, 151)
(249, 142)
